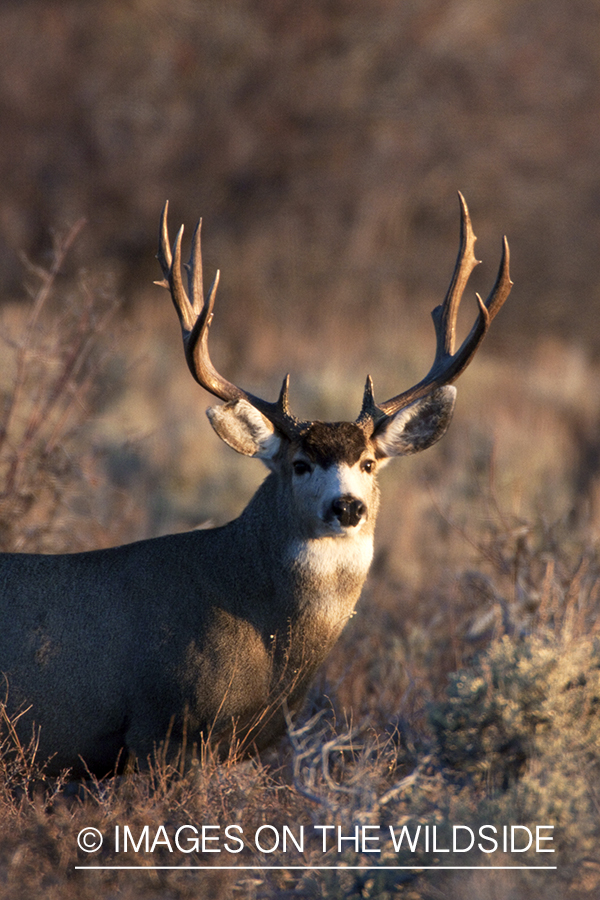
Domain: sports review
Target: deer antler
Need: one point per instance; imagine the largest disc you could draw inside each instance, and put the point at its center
(448, 365)
(195, 316)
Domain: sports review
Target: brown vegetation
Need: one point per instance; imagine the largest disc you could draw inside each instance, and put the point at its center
(317, 140)
(322, 143)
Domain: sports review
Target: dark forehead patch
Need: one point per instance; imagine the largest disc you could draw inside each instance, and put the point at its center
(327, 443)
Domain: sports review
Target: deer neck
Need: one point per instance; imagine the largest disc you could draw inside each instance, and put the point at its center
(319, 576)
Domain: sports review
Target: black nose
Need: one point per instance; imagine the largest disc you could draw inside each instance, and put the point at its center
(348, 510)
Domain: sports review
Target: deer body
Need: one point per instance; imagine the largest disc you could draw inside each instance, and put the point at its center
(107, 651)
(117, 655)
(213, 633)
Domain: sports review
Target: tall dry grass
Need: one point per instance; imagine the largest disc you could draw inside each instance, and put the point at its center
(55, 354)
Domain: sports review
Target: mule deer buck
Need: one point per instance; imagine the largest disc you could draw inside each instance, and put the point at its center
(207, 633)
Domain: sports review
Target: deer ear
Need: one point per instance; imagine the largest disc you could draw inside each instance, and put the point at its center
(416, 427)
(244, 428)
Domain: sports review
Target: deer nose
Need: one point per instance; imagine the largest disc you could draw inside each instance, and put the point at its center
(348, 510)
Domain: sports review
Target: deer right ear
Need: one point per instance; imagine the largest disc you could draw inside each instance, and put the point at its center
(244, 428)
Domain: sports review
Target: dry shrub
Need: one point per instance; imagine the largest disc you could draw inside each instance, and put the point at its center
(19, 768)
(53, 382)
(521, 730)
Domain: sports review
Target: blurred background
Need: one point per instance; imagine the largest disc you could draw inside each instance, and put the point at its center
(323, 143)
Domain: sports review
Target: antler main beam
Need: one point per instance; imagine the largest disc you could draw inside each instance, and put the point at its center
(448, 365)
(195, 316)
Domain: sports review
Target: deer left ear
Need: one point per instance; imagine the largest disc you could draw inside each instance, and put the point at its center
(416, 427)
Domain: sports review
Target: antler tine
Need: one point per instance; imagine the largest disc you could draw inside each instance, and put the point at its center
(195, 317)
(194, 271)
(448, 365)
(164, 251)
(170, 263)
(444, 316)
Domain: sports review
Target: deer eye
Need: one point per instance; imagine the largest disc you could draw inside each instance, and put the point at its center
(301, 467)
(368, 466)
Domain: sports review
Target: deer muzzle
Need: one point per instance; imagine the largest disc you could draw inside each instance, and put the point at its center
(348, 510)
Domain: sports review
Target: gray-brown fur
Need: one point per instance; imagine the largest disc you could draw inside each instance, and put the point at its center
(110, 645)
